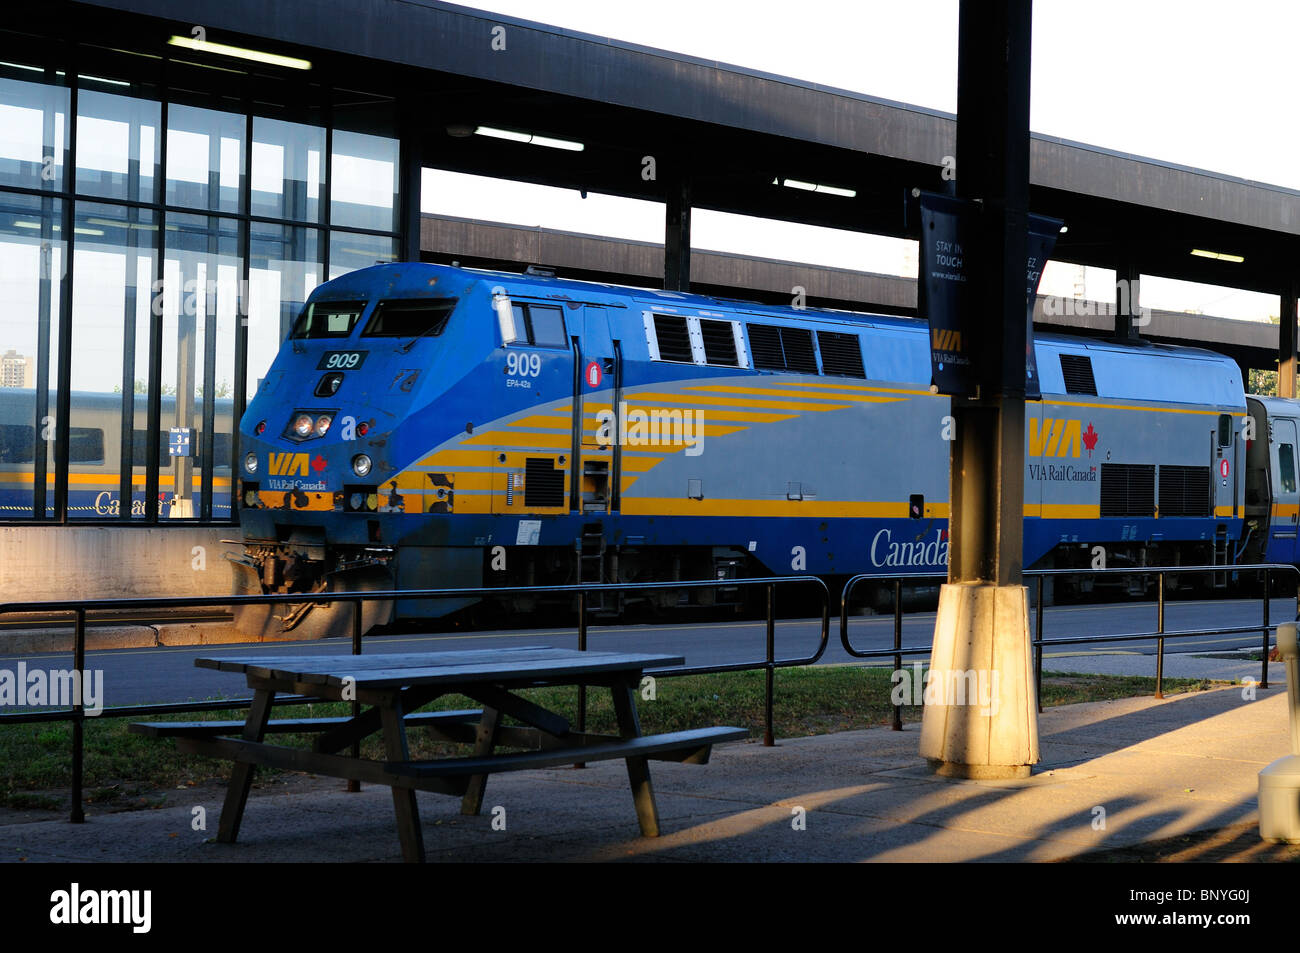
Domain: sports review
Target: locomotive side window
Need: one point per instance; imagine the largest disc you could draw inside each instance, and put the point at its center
(422, 317)
(543, 325)
(1225, 430)
(1286, 463)
(328, 319)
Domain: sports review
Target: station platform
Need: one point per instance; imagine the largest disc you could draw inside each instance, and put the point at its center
(1114, 774)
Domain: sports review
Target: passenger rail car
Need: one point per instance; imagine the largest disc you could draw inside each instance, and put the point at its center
(94, 457)
(434, 427)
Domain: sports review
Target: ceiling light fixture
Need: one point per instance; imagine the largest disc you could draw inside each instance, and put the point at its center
(1221, 256)
(536, 140)
(222, 49)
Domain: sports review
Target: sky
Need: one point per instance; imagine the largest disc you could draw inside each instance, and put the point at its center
(1207, 85)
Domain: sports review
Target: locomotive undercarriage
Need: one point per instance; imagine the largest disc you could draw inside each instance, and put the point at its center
(306, 566)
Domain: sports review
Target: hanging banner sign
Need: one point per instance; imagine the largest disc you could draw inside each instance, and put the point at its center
(946, 292)
(1040, 242)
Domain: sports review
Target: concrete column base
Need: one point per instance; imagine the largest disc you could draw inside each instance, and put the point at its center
(980, 719)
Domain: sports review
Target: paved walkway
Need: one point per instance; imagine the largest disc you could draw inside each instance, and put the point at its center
(1156, 768)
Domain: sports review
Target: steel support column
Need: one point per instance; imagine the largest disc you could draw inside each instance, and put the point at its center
(677, 235)
(1286, 342)
(982, 624)
(987, 463)
(409, 181)
(1127, 283)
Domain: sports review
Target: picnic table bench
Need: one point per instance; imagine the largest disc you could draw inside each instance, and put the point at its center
(394, 686)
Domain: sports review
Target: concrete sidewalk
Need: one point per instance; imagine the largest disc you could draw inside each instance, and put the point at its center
(1156, 768)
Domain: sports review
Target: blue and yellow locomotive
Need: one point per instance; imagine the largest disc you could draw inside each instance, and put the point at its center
(435, 427)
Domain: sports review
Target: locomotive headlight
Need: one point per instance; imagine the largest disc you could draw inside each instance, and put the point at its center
(361, 464)
(323, 424)
(355, 501)
(250, 462)
(250, 497)
(302, 425)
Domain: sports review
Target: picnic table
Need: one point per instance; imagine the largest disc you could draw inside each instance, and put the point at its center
(395, 686)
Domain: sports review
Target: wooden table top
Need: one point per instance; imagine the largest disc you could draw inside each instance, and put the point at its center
(514, 664)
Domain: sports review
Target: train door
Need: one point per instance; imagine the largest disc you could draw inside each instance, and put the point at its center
(532, 477)
(1285, 507)
(595, 399)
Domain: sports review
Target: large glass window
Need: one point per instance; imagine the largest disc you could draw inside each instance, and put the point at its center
(364, 191)
(286, 262)
(31, 284)
(33, 130)
(200, 305)
(178, 229)
(288, 170)
(113, 270)
(205, 158)
(117, 146)
(352, 250)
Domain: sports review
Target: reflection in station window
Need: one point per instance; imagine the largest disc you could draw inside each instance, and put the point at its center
(200, 307)
(288, 170)
(183, 223)
(33, 133)
(352, 250)
(205, 158)
(363, 193)
(113, 266)
(31, 272)
(117, 146)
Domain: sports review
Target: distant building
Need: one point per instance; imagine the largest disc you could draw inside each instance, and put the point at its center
(16, 370)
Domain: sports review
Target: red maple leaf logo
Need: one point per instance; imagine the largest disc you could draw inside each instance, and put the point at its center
(1090, 438)
(319, 463)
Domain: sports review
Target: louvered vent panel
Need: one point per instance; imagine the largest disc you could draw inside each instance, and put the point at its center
(1128, 489)
(841, 354)
(799, 353)
(1077, 371)
(674, 340)
(765, 346)
(719, 342)
(1184, 491)
(543, 484)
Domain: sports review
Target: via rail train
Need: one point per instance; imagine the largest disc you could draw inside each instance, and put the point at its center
(94, 457)
(436, 427)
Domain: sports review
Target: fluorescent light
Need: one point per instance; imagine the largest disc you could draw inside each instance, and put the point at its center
(529, 137)
(100, 79)
(557, 143)
(27, 224)
(34, 69)
(816, 187)
(239, 52)
(1221, 256)
(88, 231)
(503, 134)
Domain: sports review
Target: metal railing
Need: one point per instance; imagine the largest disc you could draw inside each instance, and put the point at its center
(897, 651)
(79, 608)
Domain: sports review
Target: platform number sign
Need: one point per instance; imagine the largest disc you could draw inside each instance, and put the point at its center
(593, 374)
(180, 440)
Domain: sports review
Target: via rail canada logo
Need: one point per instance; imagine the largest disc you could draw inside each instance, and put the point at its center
(1053, 437)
